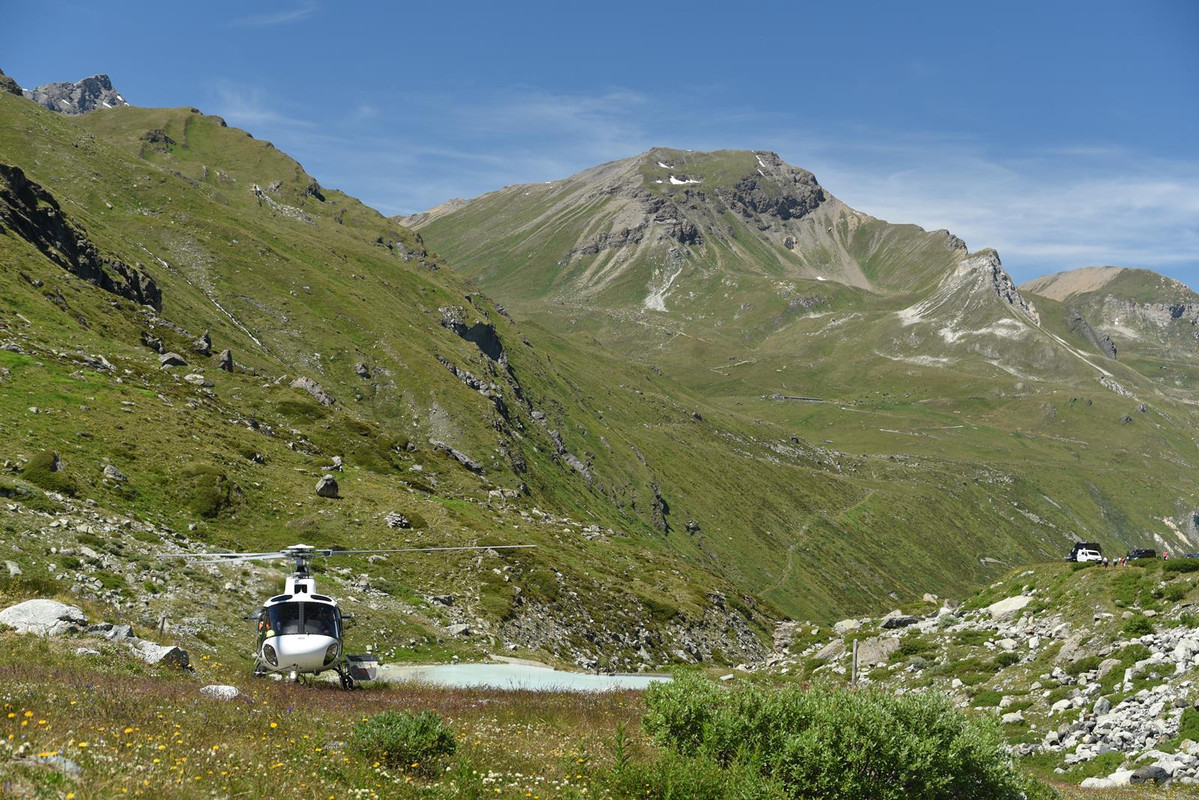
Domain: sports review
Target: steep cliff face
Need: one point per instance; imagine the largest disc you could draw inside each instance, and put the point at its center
(32, 213)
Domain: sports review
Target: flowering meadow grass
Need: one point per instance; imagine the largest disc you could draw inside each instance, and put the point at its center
(90, 727)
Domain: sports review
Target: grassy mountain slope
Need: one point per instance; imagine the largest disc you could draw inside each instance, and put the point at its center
(877, 341)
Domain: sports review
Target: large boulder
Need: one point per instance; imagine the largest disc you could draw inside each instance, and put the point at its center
(876, 649)
(327, 486)
(1151, 774)
(1008, 607)
(43, 617)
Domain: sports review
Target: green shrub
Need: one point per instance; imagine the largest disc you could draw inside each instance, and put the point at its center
(1176, 591)
(405, 740)
(1087, 664)
(829, 742)
(208, 492)
(46, 470)
(1188, 726)
(1138, 625)
(676, 777)
(1005, 659)
(987, 698)
(1181, 565)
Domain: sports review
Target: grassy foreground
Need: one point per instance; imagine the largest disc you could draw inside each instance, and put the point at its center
(88, 726)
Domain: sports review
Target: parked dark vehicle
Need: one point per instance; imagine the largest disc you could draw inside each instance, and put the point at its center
(1086, 551)
(1141, 552)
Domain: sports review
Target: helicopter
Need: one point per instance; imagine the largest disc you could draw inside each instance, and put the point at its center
(300, 632)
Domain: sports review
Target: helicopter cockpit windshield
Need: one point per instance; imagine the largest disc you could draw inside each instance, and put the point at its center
(301, 617)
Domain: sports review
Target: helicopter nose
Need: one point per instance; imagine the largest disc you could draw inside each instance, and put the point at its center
(302, 652)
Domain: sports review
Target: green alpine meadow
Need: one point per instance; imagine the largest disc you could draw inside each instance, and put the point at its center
(821, 470)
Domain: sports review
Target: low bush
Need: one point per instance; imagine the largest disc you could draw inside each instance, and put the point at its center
(405, 740)
(208, 491)
(46, 470)
(1138, 625)
(828, 742)
(1181, 565)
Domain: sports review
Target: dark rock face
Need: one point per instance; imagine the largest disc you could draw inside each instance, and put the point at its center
(33, 214)
(1099, 339)
(749, 197)
(610, 240)
(77, 98)
(481, 334)
(7, 84)
(225, 360)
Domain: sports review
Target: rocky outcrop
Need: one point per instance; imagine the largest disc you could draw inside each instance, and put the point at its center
(482, 334)
(77, 98)
(1100, 340)
(9, 86)
(750, 196)
(314, 389)
(32, 213)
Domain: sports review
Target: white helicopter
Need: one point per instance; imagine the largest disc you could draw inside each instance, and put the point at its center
(300, 632)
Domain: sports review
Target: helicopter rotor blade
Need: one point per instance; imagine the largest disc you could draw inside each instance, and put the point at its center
(221, 556)
(329, 552)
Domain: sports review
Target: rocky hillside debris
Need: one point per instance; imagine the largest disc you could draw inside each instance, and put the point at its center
(33, 214)
(113, 474)
(225, 360)
(291, 212)
(170, 359)
(89, 94)
(396, 521)
(44, 618)
(327, 486)
(313, 388)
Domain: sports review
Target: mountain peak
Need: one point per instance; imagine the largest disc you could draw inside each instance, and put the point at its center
(95, 91)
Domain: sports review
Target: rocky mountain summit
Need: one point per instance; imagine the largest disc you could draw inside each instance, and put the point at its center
(80, 97)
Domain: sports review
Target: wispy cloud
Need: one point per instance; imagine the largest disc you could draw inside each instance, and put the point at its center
(281, 17)
(1058, 207)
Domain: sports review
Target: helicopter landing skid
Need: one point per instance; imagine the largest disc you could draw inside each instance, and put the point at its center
(347, 681)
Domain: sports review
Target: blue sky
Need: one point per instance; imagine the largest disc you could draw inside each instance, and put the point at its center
(1064, 134)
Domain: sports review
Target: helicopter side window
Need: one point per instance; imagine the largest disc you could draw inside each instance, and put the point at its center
(285, 618)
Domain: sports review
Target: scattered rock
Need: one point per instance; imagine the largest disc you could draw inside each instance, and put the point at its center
(195, 379)
(461, 629)
(362, 371)
(898, 621)
(225, 360)
(113, 474)
(220, 692)
(171, 359)
(397, 521)
(327, 486)
(457, 455)
(203, 345)
(153, 653)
